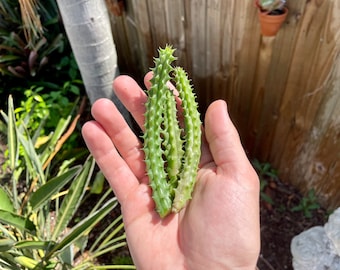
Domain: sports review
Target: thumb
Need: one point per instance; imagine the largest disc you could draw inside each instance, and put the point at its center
(224, 140)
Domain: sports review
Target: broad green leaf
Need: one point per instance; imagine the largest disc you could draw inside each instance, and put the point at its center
(81, 243)
(31, 244)
(85, 226)
(31, 156)
(17, 221)
(40, 140)
(26, 262)
(58, 132)
(6, 202)
(44, 194)
(13, 146)
(73, 198)
(98, 184)
(67, 255)
(12, 139)
(6, 244)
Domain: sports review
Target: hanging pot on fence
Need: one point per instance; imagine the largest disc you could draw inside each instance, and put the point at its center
(270, 22)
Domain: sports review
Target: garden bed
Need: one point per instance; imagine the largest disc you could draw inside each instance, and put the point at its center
(279, 224)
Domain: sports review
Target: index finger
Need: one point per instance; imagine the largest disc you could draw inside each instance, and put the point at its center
(132, 97)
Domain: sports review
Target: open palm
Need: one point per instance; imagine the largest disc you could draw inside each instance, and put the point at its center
(218, 229)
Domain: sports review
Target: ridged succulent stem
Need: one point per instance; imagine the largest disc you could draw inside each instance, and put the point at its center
(154, 133)
(192, 129)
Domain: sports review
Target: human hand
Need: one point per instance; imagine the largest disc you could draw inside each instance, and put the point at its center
(218, 229)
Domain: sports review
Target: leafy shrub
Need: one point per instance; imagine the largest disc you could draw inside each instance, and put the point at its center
(42, 58)
(40, 105)
(28, 38)
(38, 204)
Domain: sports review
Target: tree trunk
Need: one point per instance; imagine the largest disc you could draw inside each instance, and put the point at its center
(88, 28)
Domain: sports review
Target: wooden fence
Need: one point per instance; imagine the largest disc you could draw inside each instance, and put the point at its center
(283, 92)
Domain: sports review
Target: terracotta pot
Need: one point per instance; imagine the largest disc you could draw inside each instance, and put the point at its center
(270, 24)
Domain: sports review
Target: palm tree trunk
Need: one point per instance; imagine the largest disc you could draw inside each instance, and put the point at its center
(88, 28)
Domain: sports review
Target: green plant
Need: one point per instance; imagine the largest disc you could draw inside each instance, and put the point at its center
(307, 204)
(31, 17)
(270, 6)
(38, 205)
(42, 103)
(122, 260)
(43, 59)
(19, 61)
(171, 153)
(265, 173)
(24, 45)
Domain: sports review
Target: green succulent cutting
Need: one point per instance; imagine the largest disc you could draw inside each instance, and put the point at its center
(172, 149)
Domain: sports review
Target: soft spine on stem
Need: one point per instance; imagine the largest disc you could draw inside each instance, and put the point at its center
(172, 153)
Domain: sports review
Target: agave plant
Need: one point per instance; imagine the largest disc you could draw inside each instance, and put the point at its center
(270, 6)
(38, 205)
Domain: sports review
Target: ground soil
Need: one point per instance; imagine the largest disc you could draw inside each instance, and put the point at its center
(279, 224)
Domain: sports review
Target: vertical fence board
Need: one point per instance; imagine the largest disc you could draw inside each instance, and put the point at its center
(283, 92)
(196, 19)
(176, 28)
(292, 124)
